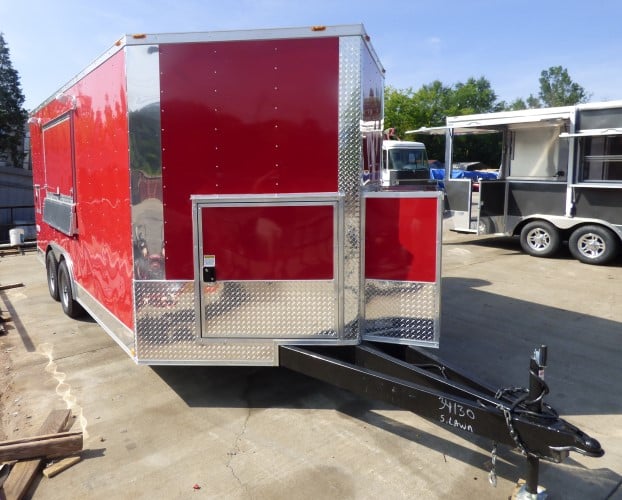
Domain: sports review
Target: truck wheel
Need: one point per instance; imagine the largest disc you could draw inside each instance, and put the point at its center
(70, 307)
(51, 268)
(593, 245)
(540, 239)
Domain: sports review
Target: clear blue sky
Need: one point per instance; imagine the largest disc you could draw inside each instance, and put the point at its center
(507, 41)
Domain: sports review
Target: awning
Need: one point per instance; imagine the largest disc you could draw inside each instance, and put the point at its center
(593, 133)
(456, 131)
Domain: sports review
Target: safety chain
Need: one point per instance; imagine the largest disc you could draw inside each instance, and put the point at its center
(492, 475)
(514, 434)
(507, 413)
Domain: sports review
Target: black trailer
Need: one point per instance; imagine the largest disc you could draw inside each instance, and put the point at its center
(560, 179)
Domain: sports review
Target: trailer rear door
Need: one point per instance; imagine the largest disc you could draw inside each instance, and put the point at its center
(268, 267)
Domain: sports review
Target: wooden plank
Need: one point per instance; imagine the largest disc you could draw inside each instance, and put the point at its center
(23, 473)
(60, 466)
(11, 285)
(49, 445)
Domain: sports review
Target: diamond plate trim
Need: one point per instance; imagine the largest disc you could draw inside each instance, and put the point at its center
(271, 309)
(350, 154)
(402, 311)
(60, 214)
(166, 330)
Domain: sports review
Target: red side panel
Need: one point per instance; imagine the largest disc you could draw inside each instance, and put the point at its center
(401, 239)
(244, 117)
(102, 249)
(270, 242)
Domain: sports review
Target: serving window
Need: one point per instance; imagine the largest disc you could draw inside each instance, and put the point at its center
(600, 158)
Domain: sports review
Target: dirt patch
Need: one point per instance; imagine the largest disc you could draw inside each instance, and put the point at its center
(6, 382)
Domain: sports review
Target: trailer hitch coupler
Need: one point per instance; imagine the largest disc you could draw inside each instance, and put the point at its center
(540, 355)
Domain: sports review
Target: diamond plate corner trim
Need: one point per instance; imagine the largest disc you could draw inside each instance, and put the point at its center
(402, 311)
(350, 154)
(166, 331)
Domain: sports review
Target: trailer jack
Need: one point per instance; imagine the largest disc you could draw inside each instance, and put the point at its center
(420, 382)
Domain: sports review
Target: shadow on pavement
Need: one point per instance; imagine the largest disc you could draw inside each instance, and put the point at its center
(584, 353)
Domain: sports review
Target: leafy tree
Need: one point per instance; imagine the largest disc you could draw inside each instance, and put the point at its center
(474, 96)
(12, 114)
(533, 102)
(399, 109)
(432, 103)
(558, 89)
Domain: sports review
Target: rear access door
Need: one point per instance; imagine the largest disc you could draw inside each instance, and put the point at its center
(267, 267)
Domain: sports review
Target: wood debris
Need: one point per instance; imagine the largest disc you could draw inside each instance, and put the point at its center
(24, 471)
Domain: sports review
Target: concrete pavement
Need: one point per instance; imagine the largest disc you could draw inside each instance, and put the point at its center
(265, 433)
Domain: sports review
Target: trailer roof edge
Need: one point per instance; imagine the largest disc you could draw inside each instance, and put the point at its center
(317, 31)
(534, 115)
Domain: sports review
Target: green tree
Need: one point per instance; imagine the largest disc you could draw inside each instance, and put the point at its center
(558, 89)
(474, 96)
(399, 109)
(432, 103)
(12, 114)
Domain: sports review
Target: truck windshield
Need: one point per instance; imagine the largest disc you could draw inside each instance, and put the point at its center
(408, 159)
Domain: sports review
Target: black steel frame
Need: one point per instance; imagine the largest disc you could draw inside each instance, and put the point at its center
(412, 379)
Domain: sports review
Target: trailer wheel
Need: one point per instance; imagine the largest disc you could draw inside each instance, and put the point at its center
(593, 245)
(51, 268)
(540, 239)
(70, 307)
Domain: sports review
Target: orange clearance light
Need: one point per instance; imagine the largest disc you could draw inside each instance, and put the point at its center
(139, 35)
(318, 28)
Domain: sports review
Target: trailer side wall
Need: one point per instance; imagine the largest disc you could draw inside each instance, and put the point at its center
(101, 250)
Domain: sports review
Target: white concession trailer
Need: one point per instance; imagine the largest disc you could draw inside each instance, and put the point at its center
(560, 179)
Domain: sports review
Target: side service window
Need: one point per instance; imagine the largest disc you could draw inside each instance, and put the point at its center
(601, 159)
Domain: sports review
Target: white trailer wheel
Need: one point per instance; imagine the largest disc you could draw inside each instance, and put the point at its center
(540, 239)
(593, 245)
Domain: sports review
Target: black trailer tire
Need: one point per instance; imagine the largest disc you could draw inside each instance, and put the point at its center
(67, 301)
(540, 239)
(594, 244)
(51, 269)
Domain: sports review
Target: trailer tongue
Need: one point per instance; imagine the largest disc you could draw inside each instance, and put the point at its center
(411, 379)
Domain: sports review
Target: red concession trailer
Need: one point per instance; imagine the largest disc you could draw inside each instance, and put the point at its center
(216, 199)
(207, 197)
